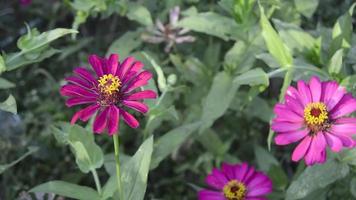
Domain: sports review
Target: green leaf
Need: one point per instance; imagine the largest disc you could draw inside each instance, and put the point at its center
(210, 23)
(161, 79)
(350, 84)
(30, 151)
(353, 187)
(342, 32)
(135, 172)
(315, 177)
(335, 63)
(170, 141)
(265, 159)
(88, 154)
(19, 60)
(294, 37)
(139, 13)
(125, 44)
(274, 43)
(5, 84)
(2, 65)
(278, 177)
(222, 86)
(306, 7)
(253, 77)
(242, 55)
(66, 189)
(34, 46)
(9, 105)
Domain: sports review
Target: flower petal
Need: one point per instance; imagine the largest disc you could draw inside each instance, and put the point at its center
(146, 94)
(304, 92)
(334, 142)
(85, 74)
(84, 114)
(216, 179)
(79, 100)
(140, 80)
(301, 149)
(112, 64)
(316, 150)
(210, 195)
(129, 119)
(345, 106)
(96, 63)
(138, 106)
(124, 67)
(315, 88)
(100, 121)
(113, 120)
(285, 114)
(290, 137)
(279, 126)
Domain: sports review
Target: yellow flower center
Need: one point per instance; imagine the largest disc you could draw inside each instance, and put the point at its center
(315, 113)
(109, 84)
(235, 190)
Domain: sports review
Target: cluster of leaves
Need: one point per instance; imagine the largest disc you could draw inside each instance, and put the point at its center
(215, 96)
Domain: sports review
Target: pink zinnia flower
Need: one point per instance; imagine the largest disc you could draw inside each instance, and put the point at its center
(114, 87)
(236, 182)
(315, 113)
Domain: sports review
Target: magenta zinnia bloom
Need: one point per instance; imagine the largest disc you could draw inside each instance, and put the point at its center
(25, 2)
(114, 87)
(315, 113)
(236, 182)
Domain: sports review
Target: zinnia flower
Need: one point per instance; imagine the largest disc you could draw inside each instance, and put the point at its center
(236, 182)
(315, 113)
(114, 87)
(169, 33)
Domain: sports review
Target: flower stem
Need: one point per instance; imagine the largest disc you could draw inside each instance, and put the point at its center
(117, 159)
(97, 181)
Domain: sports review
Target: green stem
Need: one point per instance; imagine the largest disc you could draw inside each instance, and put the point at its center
(97, 181)
(117, 159)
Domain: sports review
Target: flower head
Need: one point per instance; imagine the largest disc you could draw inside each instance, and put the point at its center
(109, 92)
(315, 114)
(169, 33)
(236, 182)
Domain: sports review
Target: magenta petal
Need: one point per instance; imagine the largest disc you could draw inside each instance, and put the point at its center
(138, 106)
(290, 137)
(88, 112)
(241, 171)
(113, 120)
(85, 74)
(329, 89)
(79, 100)
(124, 67)
(112, 64)
(316, 150)
(79, 82)
(146, 94)
(278, 126)
(336, 98)
(96, 63)
(259, 191)
(140, 80)
(304, 92)
(258, 180)
(301, 149)
(315, 88)
(134, 69)
(216, 179)
(76, 91)
(344, 126)
(228, 170)
(294, 105)
(100, 121)
(334, 142)
(210, 195)
(129, 119)
(284, 114)
(345, 106)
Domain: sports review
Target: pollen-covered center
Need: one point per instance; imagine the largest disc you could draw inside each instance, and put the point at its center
(235, 190)
(315, 114)
(109, 84)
